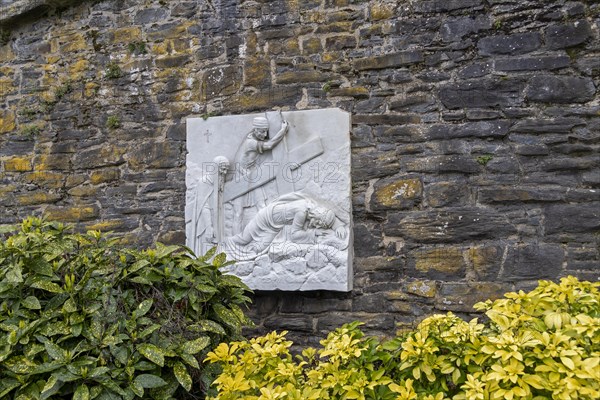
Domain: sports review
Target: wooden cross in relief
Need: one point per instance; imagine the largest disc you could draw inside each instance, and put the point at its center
(283, 158)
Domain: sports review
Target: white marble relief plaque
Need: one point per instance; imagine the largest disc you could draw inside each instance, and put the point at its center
(272, 191)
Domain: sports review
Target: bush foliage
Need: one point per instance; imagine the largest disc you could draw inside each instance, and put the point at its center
(539, 345)
(81, 318)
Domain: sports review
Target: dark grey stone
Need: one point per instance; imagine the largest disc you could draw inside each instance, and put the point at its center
(560, 36)
(532, 63)
(483, 93)
(572, 218)
(150, 15)
(533, 261)
(560, 89)
(454, 29)
(519, 43)
(449, 226)
(482, 129)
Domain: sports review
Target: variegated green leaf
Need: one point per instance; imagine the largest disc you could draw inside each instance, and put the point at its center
(82, 393)
(152, 353)
(47, 286)
(182, 375)
(149, 381)
(196, 346)
(143, 308)
(31, 302)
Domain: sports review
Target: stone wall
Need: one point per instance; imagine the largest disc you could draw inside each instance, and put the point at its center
(476, 128)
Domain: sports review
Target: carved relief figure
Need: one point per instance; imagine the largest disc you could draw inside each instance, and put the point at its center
(248, 163)
(308, 222)
(203, 206)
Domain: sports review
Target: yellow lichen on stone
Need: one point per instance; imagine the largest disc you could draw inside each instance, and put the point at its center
(7, 121)
(125, 35)
(18, 164)
(91, 89)
(446, 260)
(380, 11)
(6, 86)
(102, 176)
(71, 214)
(104, 225)
(6, 54)
(422, 288)
(78, 68)
(51, 180)
(29, 199)
(393, 194)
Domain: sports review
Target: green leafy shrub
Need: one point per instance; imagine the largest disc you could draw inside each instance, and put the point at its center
(539, 345)
(84, 319)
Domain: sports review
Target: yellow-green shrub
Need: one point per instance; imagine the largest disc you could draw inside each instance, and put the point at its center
(544, 344)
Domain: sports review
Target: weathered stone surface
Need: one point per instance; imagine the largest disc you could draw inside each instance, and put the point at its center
(444, 263)
(519, 43)
(548, 257)
(454, 29)
(492, 129)
(442, 164)
(454, 226)
(503, 194)
(560, 36)
(572, 218)
(560, 89)
(532, 63)
(486, 93)
(389, 60)
(397, 193)
(441, 194)
(460, 297)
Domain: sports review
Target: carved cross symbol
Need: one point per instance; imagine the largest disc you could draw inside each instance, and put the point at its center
(208, 134)
(285, 161)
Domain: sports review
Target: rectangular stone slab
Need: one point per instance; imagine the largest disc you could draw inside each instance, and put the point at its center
(279, 205)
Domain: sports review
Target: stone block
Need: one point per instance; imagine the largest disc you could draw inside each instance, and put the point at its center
(389, 60)
(156, 155)
(483, 129)
(560, 36)
(547, 125)
(442, 194)
(312, 45)
(397, 193)
(108, 154)
(72, 213)
(440, 6)
(508, 194)
(340, 42)
(441, 164)
(257, 73)
(519, 43)
(461, 297)
(126, 34)
(532, 63)
(301, 77)
(358, 92)
(147, 16)
(449, 226)
(444, 263)
(18, 164)
(484, 262)
(533, 261)
(45, 179)
(264, 99)
(386, 119)
(7, 121)
(422, 288)
(373, 164)
(453, 29)
(37, 197)
(572, 218)
(560, 89)
(483, 93)
(83, 191)
(52, 162)
(367, 240)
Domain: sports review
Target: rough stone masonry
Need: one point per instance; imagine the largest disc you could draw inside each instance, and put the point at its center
(475, 137)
